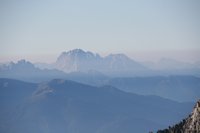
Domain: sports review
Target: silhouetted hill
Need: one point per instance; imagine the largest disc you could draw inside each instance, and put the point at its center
(67, 106)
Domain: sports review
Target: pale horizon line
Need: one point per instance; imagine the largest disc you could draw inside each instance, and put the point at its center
(190, 56)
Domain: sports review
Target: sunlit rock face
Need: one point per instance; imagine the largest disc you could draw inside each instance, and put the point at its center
(189, 125)
(192, 123)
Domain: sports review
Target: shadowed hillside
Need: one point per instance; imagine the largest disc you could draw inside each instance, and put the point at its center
(67, 106)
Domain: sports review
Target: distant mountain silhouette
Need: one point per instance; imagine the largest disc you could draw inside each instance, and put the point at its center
(67, 106)
(118, 65)
(179, 88)
(167, 66)
(78, 60)
(24, 70)
(113, 65)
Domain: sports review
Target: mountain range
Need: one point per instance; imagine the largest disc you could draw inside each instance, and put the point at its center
(175, 87)
(67, 106)
(113, 65)
(78, 60)
(25, 70)
(83, 92)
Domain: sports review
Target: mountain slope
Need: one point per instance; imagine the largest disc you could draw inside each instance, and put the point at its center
(189, 125)
(67, 106)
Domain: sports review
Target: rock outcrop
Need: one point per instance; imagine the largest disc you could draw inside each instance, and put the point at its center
(189, 125)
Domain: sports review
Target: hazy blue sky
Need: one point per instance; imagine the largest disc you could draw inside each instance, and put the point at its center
(41, 29)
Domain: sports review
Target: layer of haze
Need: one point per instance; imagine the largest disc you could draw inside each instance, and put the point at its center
(40, 30)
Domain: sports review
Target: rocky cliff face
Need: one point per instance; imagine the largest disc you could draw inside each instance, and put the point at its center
(192, 123)
(189, 125)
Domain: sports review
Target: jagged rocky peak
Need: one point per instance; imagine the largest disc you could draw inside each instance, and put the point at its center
(77, 54)
(193, 121)
(20, 63)
(189, 125)
(19, 66)
(78, 60)
(23, 63)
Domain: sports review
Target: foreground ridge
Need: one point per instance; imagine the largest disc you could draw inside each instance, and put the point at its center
(189, 125)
